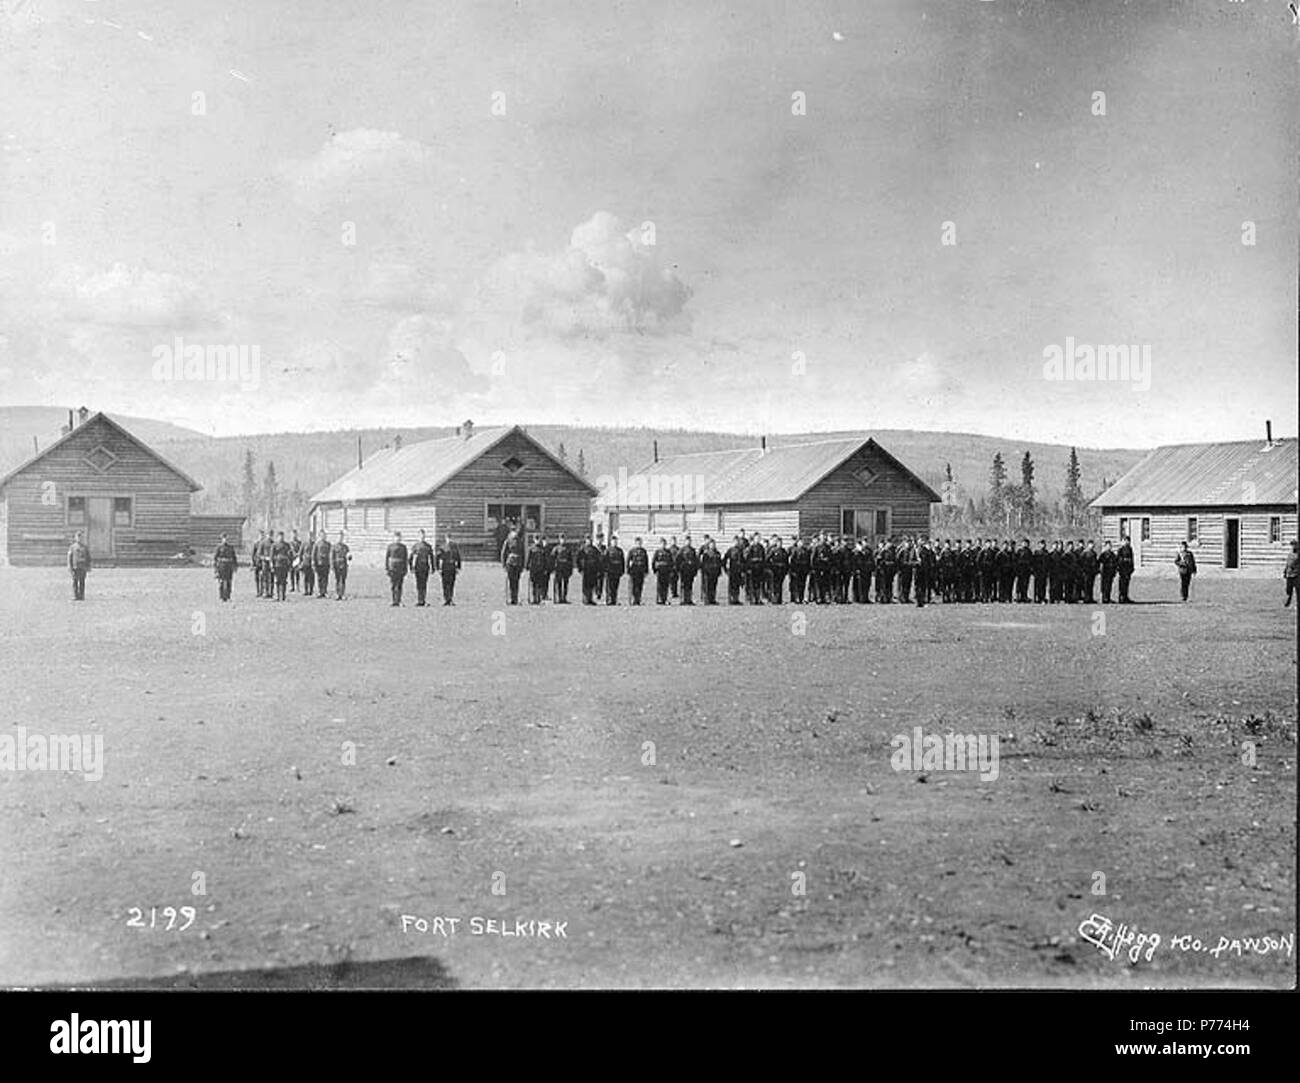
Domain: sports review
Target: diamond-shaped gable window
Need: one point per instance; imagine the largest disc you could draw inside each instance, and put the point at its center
(100, 458)
(513, 465)
(865, 475)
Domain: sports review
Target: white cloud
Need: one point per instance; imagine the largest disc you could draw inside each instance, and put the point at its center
(347, 160)
(123, 296)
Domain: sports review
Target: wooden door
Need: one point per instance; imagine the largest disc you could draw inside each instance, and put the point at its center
(99, 526)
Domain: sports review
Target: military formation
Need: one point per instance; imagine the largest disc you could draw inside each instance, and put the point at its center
(822, 570)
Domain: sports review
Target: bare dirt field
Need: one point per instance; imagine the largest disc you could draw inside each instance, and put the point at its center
(662, 781)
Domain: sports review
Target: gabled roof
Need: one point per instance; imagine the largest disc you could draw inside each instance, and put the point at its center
(751, 475)
(80, 430)
(1243, 472)
(417, 469)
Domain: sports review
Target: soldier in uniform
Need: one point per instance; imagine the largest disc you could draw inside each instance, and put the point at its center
(710, 571)
(885, 557)
(1055, 573)
(308, 570)
(1024, 569)
(78, 565)
(638, 567)
(1007, 572)
(589, 560)
(615, 564)
(1088, 570)
(755, 570)
(224, 562)
(906, 560)
(923, 575)
(295, 567)
(421, 564)
(396, 562)
(1186, 562)
(561, 563)
(1070, 576)
(1106, 563)
(1042, 560)
(448, 560)
(1291, 571)
(256, 553)
(281, 560)
(662, 566)
(674, 576)
(535, 566)
(687, 566)
(340, 557)
(778, 566)
(1124, 565)
(512, 560)
(320, 558)
(733, 562)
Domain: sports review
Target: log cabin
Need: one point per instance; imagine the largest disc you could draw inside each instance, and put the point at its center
(130, 504)
(848, 486)
(1234, 504)
(473, 485)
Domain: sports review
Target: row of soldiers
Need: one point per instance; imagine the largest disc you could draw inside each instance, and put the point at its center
(822, 570)
(281, 565)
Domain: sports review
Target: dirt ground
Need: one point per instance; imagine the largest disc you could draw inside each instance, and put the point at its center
(703, 797)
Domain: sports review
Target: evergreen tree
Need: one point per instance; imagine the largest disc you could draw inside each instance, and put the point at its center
(997, 489)
(582, 463)
(562, 454)
(270, 496)
(1027, 496)
(248, 497)
(1073, 496)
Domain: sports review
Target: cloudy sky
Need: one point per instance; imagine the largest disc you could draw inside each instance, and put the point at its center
(667, 213)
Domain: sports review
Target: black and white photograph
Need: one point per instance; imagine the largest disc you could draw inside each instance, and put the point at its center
(804, 496)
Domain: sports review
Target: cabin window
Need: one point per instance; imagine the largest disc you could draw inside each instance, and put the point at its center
(1275, 528)
(1193, 528)
(1146, 529)
(882, 522)
(121, 511)
(1123, 528)
(527, 516)
(76, 511)
(513, 464)
(668, 522)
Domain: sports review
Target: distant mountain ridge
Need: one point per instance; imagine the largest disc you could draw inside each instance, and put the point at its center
(308, 462)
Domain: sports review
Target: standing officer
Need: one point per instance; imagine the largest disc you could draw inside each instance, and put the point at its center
(295, 568)
(1042, 561)
(800, 568)
(1024, 569)
(589, 566)
(422, 561)
(1186, 561)
(1070, 576)
(340, 555)
(1291, 571)
(906, 559)
(281, 560)
(778, 566)
(673, 577)
(687, 566)
(308, 572)
(256, 554)
(1088, 569)
(662, 566)
(224, 563)
(886, 565)
(448, 560)
(1107, 561)
(638, 567)
(535, 565)
(78, 565)
(320, 558)
(923, 575)
(615, 564)
(733, 563)
(561, 564)
(396, 561)
(513, 562)
(755, 570)
(710, 571)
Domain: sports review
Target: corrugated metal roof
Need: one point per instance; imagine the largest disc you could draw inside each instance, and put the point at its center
(744, 476)
(1243, 472)
(418, 469)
